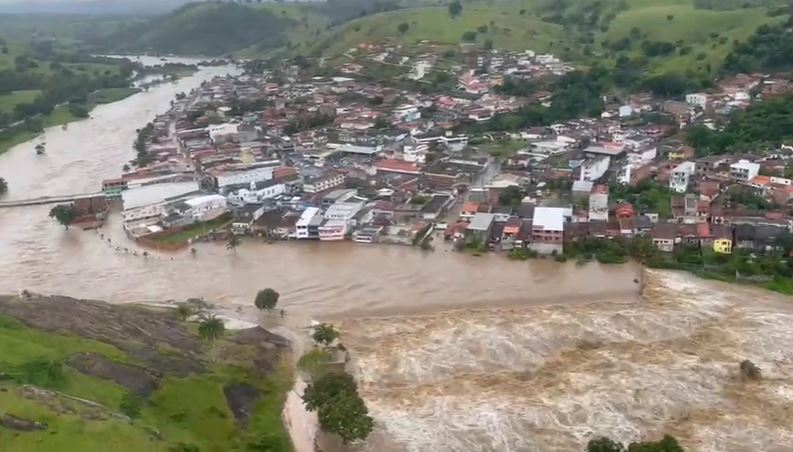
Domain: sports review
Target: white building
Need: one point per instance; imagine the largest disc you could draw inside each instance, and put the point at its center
(324, 182)
(415, 153)
(454, 143)
(626, 111)
(333, 230)
(599, 203)
(681, 176)
(594, 168)
(407, 113)
(155, 194)
(218, 130)
(697, 99)
(343, 211)
(744, 170)
(307, 227)
(253, 195)
(206, 207)
(547, 231)
(244, 176)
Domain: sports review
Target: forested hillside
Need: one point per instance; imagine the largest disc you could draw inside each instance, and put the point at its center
(207, 29)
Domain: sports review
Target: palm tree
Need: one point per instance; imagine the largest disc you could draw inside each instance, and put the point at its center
(233, 243)
(210, 329)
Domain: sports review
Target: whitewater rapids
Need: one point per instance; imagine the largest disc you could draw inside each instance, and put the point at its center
(551, 378)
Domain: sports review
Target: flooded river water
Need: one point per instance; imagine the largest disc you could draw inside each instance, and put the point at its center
(453, 352)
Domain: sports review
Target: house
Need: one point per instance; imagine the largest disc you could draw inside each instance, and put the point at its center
(436, 207)
(480, 227)
(757, 237)
(697, 100)
(548, 226)
(663, 236)
(680, 176)
(684, 208)
(469, 211)
(744, 171)
(722, 238)
(326, 181)
(511, 233)
(599, 203)
(307, 226)
(594, 168)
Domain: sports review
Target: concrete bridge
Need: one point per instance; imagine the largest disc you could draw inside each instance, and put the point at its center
(43, 200)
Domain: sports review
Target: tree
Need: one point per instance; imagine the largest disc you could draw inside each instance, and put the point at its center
(266, 299)
(469, 36)
(670, 17)
(403, 27)
(381, 123)
(211, 329)
(325, 334)
(455, 8)
(323, 389)
(511, 196)
(232, 243)
(3, 186)
(315, 363)
(131, 405)
(183, 311)
(604, 444)
(346, 416)
(339, 407)
(65, 214)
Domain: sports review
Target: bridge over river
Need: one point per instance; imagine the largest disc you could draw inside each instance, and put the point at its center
(42, 200)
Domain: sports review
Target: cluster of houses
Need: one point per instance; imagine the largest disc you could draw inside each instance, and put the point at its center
(477, 71)
(330, 158)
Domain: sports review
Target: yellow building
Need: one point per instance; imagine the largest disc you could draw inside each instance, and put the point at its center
(722, 246)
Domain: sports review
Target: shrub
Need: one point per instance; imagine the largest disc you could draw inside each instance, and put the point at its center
(131, 405)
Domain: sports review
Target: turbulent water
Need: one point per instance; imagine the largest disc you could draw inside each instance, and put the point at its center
(453, 352)
(540, 379)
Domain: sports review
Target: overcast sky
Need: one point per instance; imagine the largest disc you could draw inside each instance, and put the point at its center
(89, 6)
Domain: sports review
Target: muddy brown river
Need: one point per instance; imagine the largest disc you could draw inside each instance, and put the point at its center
(453, 352)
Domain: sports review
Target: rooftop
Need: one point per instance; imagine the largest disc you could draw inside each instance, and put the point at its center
(482, 222)
(551, 218)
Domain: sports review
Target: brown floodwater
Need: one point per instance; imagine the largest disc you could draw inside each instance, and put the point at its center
(453, 352)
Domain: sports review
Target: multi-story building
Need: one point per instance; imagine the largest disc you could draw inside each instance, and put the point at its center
(594, 168)
(307, 227)
(547, 230)
(744, 170)
(599, 203)
(330, 179)
(680, 177)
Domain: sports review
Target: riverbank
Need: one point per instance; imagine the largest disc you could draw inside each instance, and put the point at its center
(137, 379)
(62, 115)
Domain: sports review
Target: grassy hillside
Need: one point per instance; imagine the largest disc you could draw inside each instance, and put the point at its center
(584, 31)
(703, 38)
(86, 376)
(506, 30)
(200, 29)
(306, 25)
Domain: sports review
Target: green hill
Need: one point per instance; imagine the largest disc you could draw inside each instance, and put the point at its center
(207, 29)
(86, 376)
(505, 28)
(691, 36)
